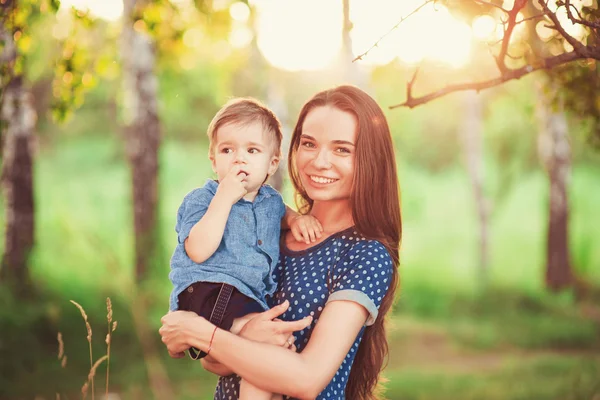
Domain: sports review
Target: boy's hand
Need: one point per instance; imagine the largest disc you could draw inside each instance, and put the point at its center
(306, 228)
(233, 187)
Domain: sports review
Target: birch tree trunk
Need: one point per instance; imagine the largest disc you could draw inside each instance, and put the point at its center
(555, 154)
(350, 70)
(276, 102)
(19, 118)
(142, 138)
(473, 148)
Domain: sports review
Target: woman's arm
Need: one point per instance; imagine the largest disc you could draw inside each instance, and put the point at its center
(285, 338)
(273, 368)
(215, 367)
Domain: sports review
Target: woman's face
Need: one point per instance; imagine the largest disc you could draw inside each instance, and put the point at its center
(326, 153)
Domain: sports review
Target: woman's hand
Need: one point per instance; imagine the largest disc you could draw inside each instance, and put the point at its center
(266, 328)
(177, 327)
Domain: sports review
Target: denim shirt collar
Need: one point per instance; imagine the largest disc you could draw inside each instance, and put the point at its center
(264, 192)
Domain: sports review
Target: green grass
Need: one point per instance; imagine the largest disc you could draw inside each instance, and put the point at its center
(541, 378)
(83, 252)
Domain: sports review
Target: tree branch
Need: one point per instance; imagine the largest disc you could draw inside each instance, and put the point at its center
(578, 46)
(511, 23)
(360, 57)
(530, 18)
(410, 84)
(509, 74)
(579, 20)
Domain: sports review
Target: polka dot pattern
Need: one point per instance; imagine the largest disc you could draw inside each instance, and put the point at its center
(343, 264)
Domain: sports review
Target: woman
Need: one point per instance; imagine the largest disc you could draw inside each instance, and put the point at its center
(343, 169)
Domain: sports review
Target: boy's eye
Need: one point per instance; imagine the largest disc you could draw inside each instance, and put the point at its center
(306, 143)
(226, 150)
(253, 150)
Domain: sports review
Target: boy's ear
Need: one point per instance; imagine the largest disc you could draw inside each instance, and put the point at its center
(273, 165)
(213, 163)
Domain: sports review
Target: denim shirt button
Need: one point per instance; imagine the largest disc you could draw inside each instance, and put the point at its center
(259, 242)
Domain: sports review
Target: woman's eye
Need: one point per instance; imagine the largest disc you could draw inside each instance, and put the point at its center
(343, 150)
(306, 143)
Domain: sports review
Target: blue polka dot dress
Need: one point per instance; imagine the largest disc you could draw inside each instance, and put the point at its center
(345, 266)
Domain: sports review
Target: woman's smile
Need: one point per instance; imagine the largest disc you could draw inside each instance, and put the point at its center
(321, 180)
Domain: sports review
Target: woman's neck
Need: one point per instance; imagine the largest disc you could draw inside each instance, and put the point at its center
(334, 216)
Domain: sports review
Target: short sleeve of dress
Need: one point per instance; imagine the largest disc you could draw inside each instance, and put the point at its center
(363, 275)
(191, 210)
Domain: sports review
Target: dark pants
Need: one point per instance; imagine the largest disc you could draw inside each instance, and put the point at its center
(201, 297)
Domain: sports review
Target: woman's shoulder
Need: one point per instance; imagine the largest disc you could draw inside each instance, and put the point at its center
(359, 244)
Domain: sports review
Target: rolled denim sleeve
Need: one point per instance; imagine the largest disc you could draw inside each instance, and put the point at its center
(191, 210)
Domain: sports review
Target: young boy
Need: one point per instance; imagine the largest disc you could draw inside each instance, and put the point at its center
(228, 231)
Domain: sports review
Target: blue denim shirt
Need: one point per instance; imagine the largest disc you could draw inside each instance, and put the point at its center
(247, 253)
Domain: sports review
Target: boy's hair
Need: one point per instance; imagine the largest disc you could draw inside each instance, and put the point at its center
(244, 111)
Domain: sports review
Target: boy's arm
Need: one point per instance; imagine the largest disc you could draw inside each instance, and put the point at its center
(305, 228)
(290, 215)
(206, 235)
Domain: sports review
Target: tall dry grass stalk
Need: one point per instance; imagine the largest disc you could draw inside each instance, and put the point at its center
(109, 337)
(61, 355)
(89, 339)
(91, 375)
(112, 325)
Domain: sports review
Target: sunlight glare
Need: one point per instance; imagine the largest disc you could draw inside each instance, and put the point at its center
(299, 34)
(239, 11)
(508, 4)
(240, 36)
(110, 10)
(453, 47)
(484, 27)
(371, 20)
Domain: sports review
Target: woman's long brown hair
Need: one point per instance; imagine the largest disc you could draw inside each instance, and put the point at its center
(375, 203)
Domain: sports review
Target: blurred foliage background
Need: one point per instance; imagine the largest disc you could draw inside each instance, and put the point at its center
(476, 315)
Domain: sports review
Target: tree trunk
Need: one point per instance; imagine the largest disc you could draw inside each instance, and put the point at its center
(350, 70)
(555, 154)
(142, 138)
(19, 120)
(473, 148)
(276, 102)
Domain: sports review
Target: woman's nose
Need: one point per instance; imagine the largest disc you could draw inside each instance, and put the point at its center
(321, 159)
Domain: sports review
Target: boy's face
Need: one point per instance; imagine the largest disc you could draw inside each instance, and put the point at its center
(249, 146)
